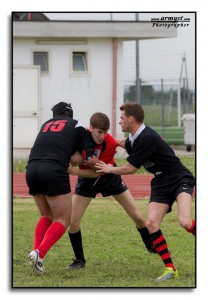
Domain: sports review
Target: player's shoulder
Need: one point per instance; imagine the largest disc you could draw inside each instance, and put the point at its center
(110, 139)
(78, 125)
(148, 132)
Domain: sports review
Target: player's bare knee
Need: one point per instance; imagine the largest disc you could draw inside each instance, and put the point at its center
(152, 226)
(74, 226)
(49, 216)
(184, 223)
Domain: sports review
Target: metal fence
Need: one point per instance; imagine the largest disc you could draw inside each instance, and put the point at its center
(164, 102)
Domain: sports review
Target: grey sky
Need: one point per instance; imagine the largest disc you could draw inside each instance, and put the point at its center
(159, 58)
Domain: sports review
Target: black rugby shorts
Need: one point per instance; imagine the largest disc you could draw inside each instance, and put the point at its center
(107, 185)
(47, 179)
(166, 188)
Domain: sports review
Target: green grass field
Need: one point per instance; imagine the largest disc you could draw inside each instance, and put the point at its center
(113, 248)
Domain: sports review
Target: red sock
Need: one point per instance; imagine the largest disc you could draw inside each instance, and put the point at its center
(192, 229)
(40, 230)
(52, 235)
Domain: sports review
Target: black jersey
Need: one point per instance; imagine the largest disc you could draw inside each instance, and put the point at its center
(58, 139)
(152, 152)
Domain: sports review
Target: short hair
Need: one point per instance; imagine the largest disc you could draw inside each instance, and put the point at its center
(135, 110)
(62, 108)
(100, 121)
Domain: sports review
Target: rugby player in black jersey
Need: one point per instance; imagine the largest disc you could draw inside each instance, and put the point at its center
(48, 179)
(172, 181)
(107, 185)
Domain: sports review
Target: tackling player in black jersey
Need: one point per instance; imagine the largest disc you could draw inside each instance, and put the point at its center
(48, 179)
(172, 181)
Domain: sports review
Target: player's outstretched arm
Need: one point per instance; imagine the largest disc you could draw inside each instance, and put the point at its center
(120, 170)
(88, 173)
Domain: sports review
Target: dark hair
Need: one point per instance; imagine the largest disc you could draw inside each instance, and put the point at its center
(62, 108)
(100, 121)
(135, 110)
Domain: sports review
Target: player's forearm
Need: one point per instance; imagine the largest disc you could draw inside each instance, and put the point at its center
(87, 173)
(120, 170)
(123, 170)
(91, 162)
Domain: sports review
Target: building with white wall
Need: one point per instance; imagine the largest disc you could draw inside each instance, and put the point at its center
(74, 61)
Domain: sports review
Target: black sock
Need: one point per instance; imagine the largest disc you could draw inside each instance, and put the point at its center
(145, 237)
(76, 242)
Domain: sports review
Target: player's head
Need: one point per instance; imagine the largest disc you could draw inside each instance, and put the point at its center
(134, 110)
(100, 121)
(62, 109)
(99, 125)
